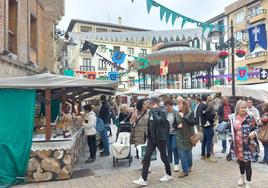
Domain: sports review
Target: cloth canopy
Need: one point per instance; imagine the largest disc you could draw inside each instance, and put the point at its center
(257, 91)
(160, 92)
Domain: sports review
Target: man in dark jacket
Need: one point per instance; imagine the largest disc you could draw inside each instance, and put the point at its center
(104, 114)
(158, 129)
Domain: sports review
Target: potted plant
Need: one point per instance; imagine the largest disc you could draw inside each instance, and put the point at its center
(223, 54)
(240, 53)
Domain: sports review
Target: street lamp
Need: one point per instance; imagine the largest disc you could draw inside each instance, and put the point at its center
(231, 43)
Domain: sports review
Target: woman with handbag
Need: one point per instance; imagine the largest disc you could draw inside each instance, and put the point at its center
(244, 130)
(184, 132)
(263, 134)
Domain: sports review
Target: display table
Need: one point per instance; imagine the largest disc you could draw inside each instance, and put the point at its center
(54, 160)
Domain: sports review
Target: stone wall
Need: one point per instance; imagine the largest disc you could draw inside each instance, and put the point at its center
(54, 164)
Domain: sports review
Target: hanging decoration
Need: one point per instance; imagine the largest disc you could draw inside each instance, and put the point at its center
(242, 73)
(263, 74)
(164, 67)
(240, 53)
(164, 11)
(110, 63)
(118, 57)
(223, 54)
(89, 46)
(113, 76)
(257, 35)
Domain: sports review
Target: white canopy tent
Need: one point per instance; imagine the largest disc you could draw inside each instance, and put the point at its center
(161, 92)
(257, 91)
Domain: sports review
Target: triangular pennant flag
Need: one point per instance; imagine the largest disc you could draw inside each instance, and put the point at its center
(162, 12)
(174, 17)
(89, 46)
(119, 57)
(184, 20)
(132, 1)
(168, 13)
(149, 5)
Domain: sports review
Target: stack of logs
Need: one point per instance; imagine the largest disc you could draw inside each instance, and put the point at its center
(49, 165)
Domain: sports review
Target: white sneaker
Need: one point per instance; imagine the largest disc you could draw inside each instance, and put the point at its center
(140, 182)
(176, 168)
(248, 184)
(241, 180)
(166, 178)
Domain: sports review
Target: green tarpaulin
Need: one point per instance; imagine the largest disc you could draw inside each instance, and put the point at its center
(16, 128)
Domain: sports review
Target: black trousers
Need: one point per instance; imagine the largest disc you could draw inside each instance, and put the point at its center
(245, 166)
(92, 144)
(161, 145)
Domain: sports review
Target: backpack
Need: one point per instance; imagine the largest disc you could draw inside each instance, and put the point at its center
(100, 126)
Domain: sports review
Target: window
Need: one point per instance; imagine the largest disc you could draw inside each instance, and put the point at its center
(85, 29)
(239, 17)
(117, 48)
(115, 31)
(102, 65)
(221, 64)
(130, 51)
(143, 51)
(86, 64)
(238, 36)
(12, 26)
(131, 81)
(33, 34)
(208, 46)
(101, 30)
(102, 48)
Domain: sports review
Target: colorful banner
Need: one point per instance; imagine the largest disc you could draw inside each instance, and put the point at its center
(263, 74)
(163, 67)
(113, 76)
(68, 72)
(257, 35)
(89, 46)
(119, 57)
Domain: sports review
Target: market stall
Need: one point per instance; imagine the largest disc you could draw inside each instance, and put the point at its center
(47, 145)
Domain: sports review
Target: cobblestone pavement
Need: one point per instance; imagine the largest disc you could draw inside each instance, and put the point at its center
(222, 174)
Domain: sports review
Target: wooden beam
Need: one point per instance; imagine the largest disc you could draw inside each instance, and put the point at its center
(48, 114)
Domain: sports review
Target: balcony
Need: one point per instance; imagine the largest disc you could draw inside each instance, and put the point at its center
(257, 16)
(87, 68)
(257, 57)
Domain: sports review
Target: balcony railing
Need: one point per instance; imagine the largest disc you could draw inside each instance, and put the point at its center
(12, 44)
(262, 11)
(87, 68)
(257, 54)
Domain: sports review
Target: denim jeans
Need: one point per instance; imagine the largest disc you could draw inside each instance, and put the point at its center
(224, 145)
(105, 141)
(172, 149)
(265, 146)
(186, 158)
(208, 133)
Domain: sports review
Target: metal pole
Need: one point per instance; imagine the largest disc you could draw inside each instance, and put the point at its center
(139, 74)
(232, 55)
(144, 81)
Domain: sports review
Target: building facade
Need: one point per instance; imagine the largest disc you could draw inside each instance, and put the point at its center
(27, 42)
(246, 14)
(84, 64)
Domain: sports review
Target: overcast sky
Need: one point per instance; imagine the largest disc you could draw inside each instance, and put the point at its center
(136, 14)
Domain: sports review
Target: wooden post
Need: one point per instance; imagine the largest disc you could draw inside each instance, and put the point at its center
(48, 114)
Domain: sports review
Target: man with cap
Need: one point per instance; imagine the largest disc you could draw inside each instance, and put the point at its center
(158, 129)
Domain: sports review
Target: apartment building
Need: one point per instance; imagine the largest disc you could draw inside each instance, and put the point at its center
(246, 14)
(27, 30)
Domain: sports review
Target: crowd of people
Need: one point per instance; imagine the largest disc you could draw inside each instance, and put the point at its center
(170, 125)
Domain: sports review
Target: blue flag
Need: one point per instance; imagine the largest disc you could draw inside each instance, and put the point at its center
(119, 57)
(242, 73)
(257, 35)
(113, 76)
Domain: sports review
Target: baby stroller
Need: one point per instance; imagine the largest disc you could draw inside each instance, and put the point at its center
(121, 149)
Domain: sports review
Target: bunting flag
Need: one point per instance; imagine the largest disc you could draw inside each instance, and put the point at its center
(119, 57)
(164, 11)
(242, 73)
(263, 74)
(89, 46)
(110, 63)
(257, 35)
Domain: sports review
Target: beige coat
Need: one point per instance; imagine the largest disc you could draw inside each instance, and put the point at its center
(90, 126)
(140, 129)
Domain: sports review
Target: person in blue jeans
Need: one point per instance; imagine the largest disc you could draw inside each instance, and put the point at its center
(173, 119)
(184, 131)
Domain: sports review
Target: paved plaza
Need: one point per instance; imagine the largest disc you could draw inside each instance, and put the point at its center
(102, 174)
